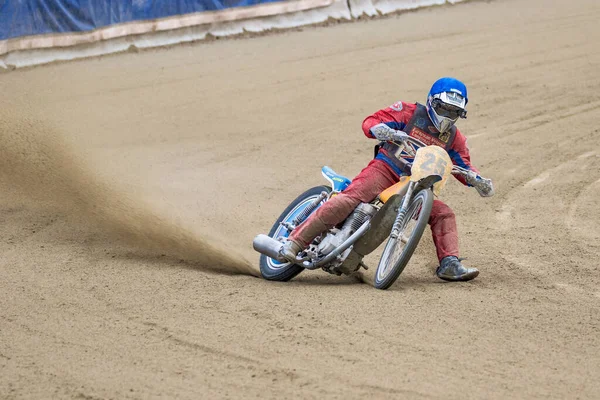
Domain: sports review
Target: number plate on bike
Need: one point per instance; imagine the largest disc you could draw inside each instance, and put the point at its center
(432, 160)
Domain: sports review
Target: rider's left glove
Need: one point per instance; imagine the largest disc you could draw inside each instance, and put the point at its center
(385, 133)
(484, 186)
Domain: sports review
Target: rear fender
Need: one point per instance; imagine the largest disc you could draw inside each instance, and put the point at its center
(337, 181)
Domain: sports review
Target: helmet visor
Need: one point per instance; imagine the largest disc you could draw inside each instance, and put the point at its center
(448, 110)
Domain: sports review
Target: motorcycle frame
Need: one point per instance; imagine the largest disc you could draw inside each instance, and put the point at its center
(382, 223)
(404, 191)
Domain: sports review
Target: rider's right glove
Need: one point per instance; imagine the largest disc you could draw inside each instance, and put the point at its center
(484, 186)
(385, 133)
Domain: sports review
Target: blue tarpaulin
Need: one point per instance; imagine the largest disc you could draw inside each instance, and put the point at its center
(35, 17)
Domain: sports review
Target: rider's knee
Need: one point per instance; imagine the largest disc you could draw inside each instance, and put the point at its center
(440, 210)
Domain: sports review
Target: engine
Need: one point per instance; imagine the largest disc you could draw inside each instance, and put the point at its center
(334, 239)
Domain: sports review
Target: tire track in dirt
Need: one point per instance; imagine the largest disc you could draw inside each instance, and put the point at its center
(558, 191)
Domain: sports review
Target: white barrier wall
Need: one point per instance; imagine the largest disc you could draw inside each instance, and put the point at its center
(376, 7)
(35, 50)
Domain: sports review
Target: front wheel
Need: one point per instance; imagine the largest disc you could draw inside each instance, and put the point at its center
(272, 269)
(398, 251)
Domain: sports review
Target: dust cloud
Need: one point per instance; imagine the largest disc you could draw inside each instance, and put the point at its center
(42, 168)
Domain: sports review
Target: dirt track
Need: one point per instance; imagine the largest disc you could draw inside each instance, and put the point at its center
(114, 170)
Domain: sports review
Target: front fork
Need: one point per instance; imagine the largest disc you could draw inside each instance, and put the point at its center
(399, 222)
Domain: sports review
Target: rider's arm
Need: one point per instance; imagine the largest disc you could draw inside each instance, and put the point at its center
(459, 153)
(395, 117)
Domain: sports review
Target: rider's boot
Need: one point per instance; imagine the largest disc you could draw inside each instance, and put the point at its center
(304, 233)
(289, 250)
(451, 269)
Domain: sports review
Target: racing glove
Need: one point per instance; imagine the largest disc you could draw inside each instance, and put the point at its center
(385, 133)
(484, 186)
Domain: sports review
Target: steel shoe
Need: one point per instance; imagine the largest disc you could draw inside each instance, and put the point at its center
(451, 269)
(289, 250)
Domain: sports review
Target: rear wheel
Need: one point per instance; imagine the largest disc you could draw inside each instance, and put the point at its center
(398, 251)
(272, 269)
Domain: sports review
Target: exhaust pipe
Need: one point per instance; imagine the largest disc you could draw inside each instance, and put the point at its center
(268, 246)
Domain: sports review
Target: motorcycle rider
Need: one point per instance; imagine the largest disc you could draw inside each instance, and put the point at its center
(432, 124)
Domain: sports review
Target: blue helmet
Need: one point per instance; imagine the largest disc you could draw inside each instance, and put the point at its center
(446, 103)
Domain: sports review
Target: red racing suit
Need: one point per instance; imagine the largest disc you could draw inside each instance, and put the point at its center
(385, 169)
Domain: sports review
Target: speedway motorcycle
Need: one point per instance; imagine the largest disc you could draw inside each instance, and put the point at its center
(398, 214)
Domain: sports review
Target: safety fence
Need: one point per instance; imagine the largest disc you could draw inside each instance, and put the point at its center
(40, 31)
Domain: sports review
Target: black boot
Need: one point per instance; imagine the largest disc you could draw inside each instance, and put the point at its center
(451, 269)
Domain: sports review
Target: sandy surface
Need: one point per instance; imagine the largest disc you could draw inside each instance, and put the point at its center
(132, 186)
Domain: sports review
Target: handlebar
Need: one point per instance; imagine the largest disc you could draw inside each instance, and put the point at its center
(456, 170)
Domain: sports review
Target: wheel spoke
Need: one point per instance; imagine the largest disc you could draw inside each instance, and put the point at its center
(394, 259)
(282, 231)
(272, 269)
